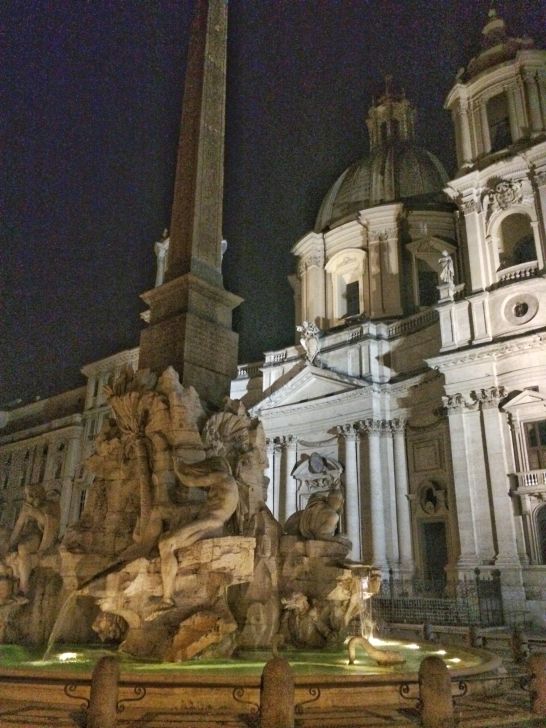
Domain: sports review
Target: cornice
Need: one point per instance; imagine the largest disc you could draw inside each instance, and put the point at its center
(64, 425)
(270, 410)
(487, 352)
(128, 356)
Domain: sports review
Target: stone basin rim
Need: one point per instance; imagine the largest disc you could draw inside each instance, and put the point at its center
(490, 664)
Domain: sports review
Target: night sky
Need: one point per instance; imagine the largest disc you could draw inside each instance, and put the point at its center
(90, 103)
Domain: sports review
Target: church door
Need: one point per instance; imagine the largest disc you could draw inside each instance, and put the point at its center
(435, 555)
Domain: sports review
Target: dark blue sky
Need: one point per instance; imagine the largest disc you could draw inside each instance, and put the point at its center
(90, 104)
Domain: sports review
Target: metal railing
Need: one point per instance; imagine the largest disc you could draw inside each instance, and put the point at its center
(475, 601)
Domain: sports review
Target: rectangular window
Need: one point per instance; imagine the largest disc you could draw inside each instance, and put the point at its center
(535, 433)
(83, 497)
(353, 298)
(499, 122)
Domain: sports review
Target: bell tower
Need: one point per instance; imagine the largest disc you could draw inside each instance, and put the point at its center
(190, 313)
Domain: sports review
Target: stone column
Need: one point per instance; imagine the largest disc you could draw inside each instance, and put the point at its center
(484, 122)
(533, 102)
(373, 429)
(290, 494)
(269, 474)
(506, 558)
(505, 530)
(67, 491)
(515, 129)
(403, 511)
(477, 255)
(389, 494)
(315, 297)
(468, 558)
(466, 146)
(277, 457)
(352, 489)
(101, 394)
(541, 81)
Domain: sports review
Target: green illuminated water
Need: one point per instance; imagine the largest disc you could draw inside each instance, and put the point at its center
(304, 662)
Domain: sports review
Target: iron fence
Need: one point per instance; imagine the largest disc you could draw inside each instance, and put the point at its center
(476, 601)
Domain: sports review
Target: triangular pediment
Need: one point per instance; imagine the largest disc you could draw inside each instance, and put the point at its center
(526, 398)
(310, 383)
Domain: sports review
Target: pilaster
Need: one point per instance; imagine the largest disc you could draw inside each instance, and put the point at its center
(270, 474)
(534, 102)
(403, 512)
(372, 428)
(496, 448)
(290, 444)
(463, 483)
(350, 437)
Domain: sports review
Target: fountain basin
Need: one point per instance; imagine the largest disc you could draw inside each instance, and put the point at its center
(324, 681)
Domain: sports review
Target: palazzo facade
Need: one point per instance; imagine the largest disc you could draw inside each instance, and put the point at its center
(419, 367)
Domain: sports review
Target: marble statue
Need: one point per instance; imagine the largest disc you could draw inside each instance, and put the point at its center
(309, 340)
(215, 475)
(447, 272)
(35, 531)
(320, 517)
(302, 623)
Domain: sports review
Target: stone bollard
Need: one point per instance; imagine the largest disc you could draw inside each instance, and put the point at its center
(475, 639)
(435, 694)
(537, 686)
(277, 695)
(104, 694)
(519, 644)
(428, 632)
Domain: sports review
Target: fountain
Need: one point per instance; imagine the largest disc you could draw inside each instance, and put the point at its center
(177, 564)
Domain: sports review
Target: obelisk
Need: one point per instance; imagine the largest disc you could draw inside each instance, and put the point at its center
(191, 312)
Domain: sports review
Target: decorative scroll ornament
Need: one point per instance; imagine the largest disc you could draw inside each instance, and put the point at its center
(508, 193)
(502, 195)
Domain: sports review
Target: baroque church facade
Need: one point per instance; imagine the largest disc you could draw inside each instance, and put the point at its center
(419, 368)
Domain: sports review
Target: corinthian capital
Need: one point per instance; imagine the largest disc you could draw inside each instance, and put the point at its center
(348, 432)
(398, 424)
(490, 397)
(371, 426)
(454, 402)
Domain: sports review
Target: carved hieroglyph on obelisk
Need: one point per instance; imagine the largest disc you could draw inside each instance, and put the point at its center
(190, 314)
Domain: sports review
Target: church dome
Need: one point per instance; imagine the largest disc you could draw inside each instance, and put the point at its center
(395, 169)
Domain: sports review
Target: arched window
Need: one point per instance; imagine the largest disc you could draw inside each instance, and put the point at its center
(347, 272)
(499, 122)
(516, 241)
(541, 533)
